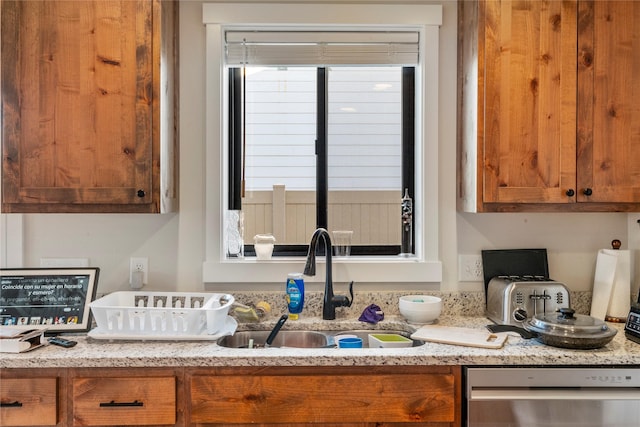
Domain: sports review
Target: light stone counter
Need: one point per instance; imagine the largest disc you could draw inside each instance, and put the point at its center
(517, 351)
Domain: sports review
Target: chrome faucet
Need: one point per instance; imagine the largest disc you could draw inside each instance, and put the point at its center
(330, 301)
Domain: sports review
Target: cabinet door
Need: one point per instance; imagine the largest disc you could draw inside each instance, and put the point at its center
(608, 106)
(28, 401)
(529, 140)
(77, 105)
(340, 396)
(123, 401)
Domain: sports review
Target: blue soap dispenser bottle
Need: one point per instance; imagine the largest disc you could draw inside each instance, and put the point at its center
(295, 295)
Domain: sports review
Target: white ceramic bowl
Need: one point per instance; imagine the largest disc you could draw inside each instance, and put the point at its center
(422, 309)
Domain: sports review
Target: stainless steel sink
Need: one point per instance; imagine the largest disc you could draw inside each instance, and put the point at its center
(300, 338)
(296, 339)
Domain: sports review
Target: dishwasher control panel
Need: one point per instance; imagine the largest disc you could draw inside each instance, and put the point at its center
(538, 378)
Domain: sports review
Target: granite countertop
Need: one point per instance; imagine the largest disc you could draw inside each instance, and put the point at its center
(90, 352)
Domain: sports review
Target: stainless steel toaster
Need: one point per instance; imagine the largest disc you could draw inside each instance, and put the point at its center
(514, 299)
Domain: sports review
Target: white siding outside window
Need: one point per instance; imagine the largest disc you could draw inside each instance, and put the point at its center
(365, 124)
(364, 128)
(280, 128)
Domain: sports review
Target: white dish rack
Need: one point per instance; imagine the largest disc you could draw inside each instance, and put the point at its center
(160, 314)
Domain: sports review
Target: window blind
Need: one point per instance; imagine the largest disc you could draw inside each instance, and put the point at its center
(321, 48)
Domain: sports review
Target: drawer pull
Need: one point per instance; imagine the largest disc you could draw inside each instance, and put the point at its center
(114, 404)
(15, 404)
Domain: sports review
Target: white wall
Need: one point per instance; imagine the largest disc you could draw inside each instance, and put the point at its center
(572, 240)
(175, 243)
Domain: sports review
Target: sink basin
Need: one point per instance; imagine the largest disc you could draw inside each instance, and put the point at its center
(300, 338)
(296, 339)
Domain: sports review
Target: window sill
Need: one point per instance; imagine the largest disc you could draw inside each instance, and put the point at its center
(360, 269)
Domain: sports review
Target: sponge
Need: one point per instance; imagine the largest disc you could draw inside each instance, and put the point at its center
(263, 308)
(244, 313)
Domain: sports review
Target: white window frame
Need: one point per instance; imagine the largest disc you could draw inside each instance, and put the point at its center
(426, 265)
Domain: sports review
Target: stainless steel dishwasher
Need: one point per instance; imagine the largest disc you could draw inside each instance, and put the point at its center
(552, 397)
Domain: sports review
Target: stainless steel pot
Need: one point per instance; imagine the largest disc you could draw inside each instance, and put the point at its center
(563, 329)
(569, 330)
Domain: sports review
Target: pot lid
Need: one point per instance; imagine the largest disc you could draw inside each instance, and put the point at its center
(568, 324)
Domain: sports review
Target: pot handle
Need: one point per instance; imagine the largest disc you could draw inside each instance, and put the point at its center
(510, 328)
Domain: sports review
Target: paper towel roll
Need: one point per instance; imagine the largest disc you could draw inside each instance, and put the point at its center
(612, 285)
(603, 283)
(620, 302)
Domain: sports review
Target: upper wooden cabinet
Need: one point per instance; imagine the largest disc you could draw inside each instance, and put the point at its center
(608, 116)
(547, 120)
(88, 106)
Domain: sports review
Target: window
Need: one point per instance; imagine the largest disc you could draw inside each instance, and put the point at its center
(412, 37)
(336, 160)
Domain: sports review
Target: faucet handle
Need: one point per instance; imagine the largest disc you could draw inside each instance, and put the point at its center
(343, 300)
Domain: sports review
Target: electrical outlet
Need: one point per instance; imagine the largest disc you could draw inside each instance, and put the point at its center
(470, 268)
(139, 264)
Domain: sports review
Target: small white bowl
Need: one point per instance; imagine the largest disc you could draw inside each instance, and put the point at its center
(421, 309)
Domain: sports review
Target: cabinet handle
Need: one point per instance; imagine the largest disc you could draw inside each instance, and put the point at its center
(141, 193)
(15, 404)
(587, 191)
(114, 404)
(570, 192)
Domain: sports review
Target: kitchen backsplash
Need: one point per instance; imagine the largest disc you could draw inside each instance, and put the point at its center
(454, 303)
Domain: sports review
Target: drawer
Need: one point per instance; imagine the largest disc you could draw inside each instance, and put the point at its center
(124, 401)
(28, 401)
(372, 398)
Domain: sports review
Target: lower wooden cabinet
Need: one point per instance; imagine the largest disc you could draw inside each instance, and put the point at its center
(123, 401)
(236, 396)
(29, 401)
(325, 395)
